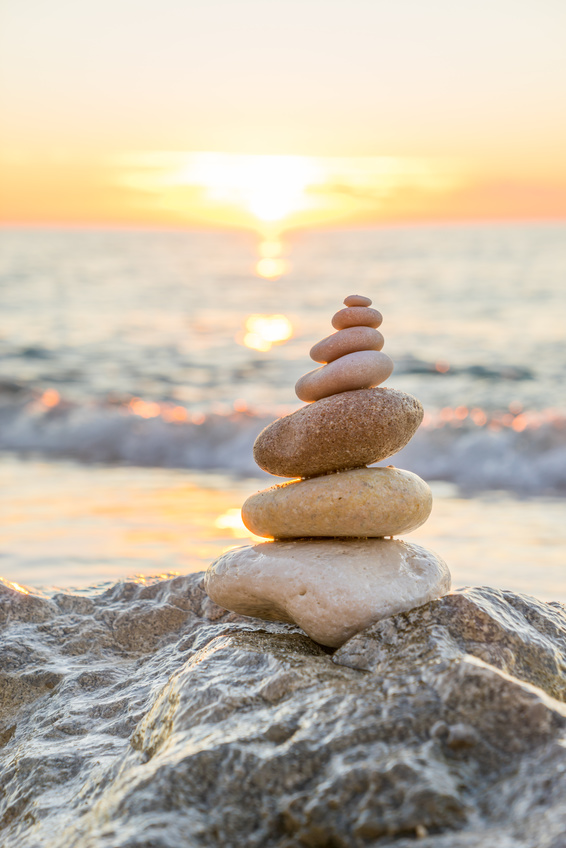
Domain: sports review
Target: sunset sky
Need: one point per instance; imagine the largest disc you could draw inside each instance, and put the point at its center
(271, 114)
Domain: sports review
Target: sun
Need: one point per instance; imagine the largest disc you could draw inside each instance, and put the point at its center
(274, 193)
(265, 192)
(269, 187)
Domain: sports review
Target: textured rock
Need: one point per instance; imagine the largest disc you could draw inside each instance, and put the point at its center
(356, 316)
(332, 589)
(443, 723)
(346, 341)
(343, 431)
(362, 369)
(360, 502)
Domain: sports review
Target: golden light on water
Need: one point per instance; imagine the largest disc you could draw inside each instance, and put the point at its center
(270, 269)
(514, 418)
(271, 265)
(176, 413)
(18, 588)
(166, 411)
(144, 408)
(232, 520)
(270, 248)
(263, 331)
(50, 398)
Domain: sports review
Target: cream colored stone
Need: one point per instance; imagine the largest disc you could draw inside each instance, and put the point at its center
(357, 300)
(338, 432)
(332, 589)
(356, 316)
(360, 370)
(363, 502)
(346, 341)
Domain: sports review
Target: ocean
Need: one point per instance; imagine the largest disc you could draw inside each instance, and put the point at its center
(137, 368)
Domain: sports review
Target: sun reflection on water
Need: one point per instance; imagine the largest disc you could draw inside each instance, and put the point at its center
(263, 331)
(232, 520)
(271, 265)
(20, 589)
(270, 248)
(270, 269)
(50, 398)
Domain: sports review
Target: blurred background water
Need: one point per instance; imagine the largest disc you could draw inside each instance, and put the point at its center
(137, 367)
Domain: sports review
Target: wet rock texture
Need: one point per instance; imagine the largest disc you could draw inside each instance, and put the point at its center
(148, 717)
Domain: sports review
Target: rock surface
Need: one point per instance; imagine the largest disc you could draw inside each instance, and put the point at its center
(360, 502)
(147, 717)
(342, 431)
(362, 369)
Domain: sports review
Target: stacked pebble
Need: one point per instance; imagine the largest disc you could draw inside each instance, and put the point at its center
(330, 568)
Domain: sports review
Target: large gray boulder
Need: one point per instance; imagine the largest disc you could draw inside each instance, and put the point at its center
(148, 717)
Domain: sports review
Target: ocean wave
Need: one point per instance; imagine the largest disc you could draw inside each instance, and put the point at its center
(523, 452)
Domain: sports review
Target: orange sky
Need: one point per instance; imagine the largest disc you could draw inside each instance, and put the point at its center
(281, 114)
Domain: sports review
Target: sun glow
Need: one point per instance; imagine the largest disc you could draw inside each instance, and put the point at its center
(232, 520)
(270, 187)
(263, 331)
(270, 248)
(264, 189)
(273, 193)
(271, 269)
(271, 265)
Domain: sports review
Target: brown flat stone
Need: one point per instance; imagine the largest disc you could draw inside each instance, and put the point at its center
(356, 316)
(357, 300)
(346, 430)
(362, 369)
(346, 341)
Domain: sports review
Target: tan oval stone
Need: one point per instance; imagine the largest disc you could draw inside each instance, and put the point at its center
(338, 432)
(333, 589)
(360, 370)
(346, 341)
(356, 316)
(364, 502)
(356, 300)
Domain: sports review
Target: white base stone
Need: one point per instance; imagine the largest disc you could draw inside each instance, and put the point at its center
(331, 588)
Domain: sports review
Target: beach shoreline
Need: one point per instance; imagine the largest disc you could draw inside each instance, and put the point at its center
(136, 521)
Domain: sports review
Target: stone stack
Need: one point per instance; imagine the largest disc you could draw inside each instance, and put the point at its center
(333, 566)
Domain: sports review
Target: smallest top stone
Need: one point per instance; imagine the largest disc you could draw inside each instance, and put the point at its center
(357, 300)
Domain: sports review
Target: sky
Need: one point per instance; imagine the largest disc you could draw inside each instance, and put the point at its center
(182, 112)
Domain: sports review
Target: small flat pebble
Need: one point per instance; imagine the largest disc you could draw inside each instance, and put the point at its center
(346, 341)
(357, 300)
(346, 430)
(360, 370)
(363, 502)
(332, 589)
(356, 316)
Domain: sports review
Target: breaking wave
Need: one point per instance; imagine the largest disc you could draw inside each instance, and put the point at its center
(521, 452)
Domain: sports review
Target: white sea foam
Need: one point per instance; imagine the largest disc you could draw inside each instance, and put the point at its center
(530, 459)
(472, 319)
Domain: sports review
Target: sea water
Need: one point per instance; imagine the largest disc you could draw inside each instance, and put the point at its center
(130, 396)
